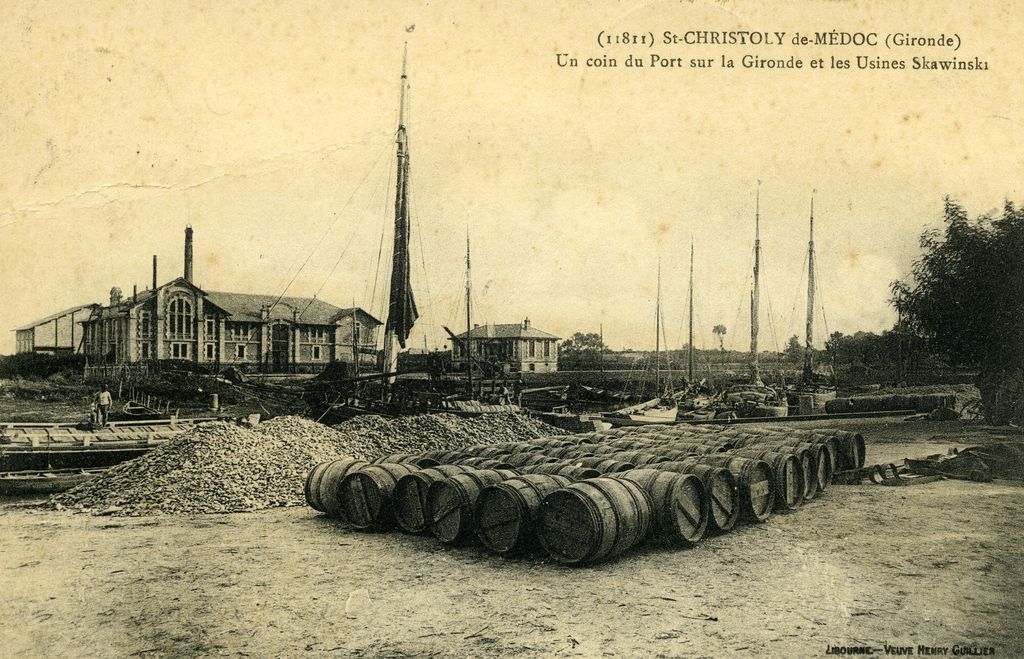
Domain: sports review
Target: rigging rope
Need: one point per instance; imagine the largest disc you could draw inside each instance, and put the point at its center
(327, 230)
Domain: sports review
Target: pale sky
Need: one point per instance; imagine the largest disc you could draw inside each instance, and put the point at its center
(270, 127)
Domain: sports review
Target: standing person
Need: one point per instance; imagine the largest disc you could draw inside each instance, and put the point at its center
(104, 400)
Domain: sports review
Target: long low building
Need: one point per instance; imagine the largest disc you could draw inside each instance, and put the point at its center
(55, 334)
(260, 333)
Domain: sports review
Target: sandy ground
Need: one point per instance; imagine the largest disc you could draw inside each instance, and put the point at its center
(936, 564)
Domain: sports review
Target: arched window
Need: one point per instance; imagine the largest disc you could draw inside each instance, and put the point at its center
(180, 317)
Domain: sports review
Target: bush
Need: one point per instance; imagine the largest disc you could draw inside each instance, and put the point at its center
(40, 365)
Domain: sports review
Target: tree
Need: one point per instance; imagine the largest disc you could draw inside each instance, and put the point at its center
(794, 350)
(581, 351)
(964, 296)
(719, 332)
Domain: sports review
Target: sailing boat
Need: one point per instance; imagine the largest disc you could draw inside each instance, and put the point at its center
(663, 408)
(819, 393)
(695, 399)
(402, 312)
(756, 399)
(363, 394)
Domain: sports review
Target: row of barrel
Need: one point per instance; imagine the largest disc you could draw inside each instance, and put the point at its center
(586, 497)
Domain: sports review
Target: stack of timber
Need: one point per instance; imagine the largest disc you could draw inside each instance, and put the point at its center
(584, 498)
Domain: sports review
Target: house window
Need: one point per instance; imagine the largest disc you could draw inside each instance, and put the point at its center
(240, 351)
(210, 351)
(547, 348)
(533, 348)
(242, 331)
(316, 334)
(144, 350)
(144, 324)
(316, 353)
(180, 351)
(211, 326)
(533, 367)
(180, 321)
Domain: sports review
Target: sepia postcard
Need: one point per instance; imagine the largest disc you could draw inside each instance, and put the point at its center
(518, 255)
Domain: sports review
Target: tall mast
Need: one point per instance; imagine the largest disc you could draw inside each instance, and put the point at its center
(402, 311)
(689, 372)
(755, 296)
(657, 336)
(469, 319)
(809, 348)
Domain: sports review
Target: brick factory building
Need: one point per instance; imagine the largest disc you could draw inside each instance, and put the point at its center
(256, 333)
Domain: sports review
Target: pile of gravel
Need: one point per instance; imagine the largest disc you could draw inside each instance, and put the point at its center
(223, 467)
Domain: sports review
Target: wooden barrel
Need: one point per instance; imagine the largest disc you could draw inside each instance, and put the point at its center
(366, 495)
(807, 455)
(561, 469)
(527, 459)
(809, 468)
(410, 496)
(550, 442)
(754, 482)
(571, 454)
(600, 449)
(680, 504)
(485, 463)
(568, 452)
(720, 486)
(824, 462)
(644, 457)
(450, 502)
(787, 476)
(604, 465)
(408, 458)
(506, 512)
(446, 457)
(322, 481)
(493, 451)
(593, 520)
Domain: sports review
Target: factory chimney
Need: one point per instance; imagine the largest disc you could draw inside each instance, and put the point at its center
(154, 272)
(188, 253)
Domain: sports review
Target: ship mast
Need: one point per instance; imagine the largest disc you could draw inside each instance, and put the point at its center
(402, 311)
(755, 295)
(657, 336)
(690, 354)
(469, 320)
(809, 347)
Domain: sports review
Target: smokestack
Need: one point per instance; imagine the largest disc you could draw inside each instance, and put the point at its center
(188, 253)
(154, 272)
(135, 293)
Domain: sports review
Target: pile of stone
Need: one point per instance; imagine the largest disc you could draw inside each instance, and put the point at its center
(370, 437)
(223, 467)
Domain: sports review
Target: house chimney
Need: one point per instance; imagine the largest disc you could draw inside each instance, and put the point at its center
(188, 253)
(115, 296)
(526, 323)
(154, 272)
(135, 293)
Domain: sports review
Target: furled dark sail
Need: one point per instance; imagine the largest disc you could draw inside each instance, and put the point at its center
(402, 313)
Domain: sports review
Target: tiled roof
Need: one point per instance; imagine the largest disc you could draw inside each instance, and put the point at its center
(59, 314)
(246, 307)
(506, 331)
